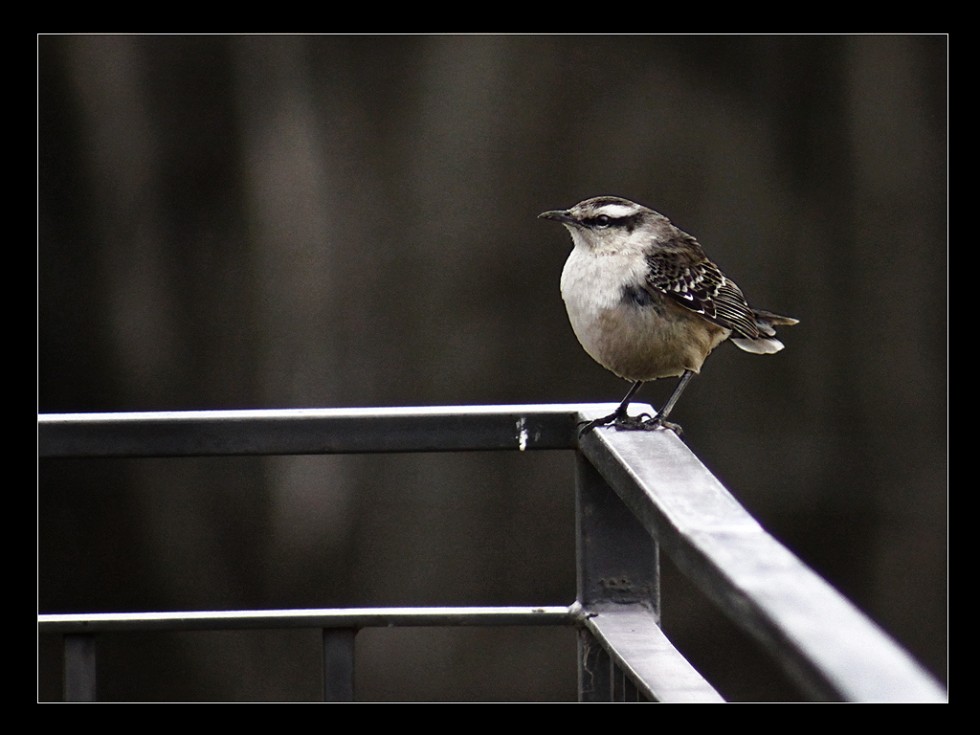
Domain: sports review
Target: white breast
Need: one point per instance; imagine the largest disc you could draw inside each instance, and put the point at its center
(592, 288)
(634, 342)
(591, 282)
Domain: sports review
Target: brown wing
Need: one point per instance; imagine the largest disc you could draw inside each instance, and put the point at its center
(680, 270)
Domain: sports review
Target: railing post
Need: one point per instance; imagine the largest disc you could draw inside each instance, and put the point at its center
(595, 681)
(79, 683)
(338, 664)
(617, 564)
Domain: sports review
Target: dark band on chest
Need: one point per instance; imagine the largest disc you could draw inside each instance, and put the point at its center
(637, 296)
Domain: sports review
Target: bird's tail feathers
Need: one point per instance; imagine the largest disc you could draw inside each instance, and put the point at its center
(760, 346)
(767, 322)
(770, 320)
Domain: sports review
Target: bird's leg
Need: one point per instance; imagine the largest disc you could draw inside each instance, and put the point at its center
(644, 422)
(618, 417)
(660, 420)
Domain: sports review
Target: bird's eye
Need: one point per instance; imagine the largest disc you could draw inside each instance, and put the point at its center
(602, 221)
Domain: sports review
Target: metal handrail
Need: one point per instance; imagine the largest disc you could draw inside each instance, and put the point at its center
(363, 617)
(831, 649)
(646, 486)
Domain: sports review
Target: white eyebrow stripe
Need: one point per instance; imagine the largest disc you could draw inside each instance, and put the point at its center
(616, 210)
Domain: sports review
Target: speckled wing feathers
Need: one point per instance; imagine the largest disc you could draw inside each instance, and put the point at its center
(679, 269)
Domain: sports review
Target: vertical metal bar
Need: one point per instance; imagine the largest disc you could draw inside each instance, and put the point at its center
(338, 664)
(594, 669)
(630, 691)
(619, 680)
(79, 683)
(623, 688)
(617, 563)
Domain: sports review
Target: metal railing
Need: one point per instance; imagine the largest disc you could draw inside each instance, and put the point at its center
(637, 493)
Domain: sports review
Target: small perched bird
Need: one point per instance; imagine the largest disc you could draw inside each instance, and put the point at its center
(646, 303)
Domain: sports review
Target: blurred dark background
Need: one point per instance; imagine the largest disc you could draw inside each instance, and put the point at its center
(274, 222)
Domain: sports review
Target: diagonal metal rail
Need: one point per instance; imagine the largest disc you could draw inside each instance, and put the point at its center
(831, 649)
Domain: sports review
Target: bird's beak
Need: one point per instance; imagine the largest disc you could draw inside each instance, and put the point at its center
(558, 215)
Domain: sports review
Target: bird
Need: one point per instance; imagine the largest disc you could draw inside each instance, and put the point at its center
(645, 302)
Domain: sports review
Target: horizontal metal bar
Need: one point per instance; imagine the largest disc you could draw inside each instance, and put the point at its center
(642, 651)
(831, 649)
(366, 617)
(309, 431)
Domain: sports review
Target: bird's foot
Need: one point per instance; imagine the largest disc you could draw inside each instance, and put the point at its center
(632, 423)
(622, 422)
(652, 423)
(586, 426)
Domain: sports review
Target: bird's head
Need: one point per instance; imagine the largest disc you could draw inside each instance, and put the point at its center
(607, 222)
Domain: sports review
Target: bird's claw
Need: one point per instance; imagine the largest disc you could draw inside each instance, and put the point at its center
(642, 422)
(655, 422)
(586, 426)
